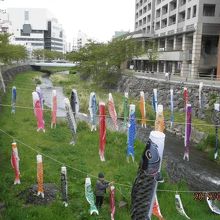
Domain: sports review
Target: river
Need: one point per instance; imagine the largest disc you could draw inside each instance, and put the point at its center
(200, 172)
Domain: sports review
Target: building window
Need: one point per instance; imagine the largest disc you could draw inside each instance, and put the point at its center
(148, 29)
(158, 13)
(158, 1)
(182, 15)
(173, 5)
(164, 23)
(172, 20)
(144, 20)
(136, 15)
(140, 12)
(136, 24)
(137, 6)
(140, 23)
(209, 10)
(164, 9)
(148, 18)
(141, 2)
(26, 15)
(149, 6)
(182, 2)
(144, 30)
(157, 25)
(194, 11)
(145, 9)
(188, 13)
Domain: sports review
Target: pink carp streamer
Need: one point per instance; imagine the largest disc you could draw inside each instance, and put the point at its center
(40, 176)
(15, 163)
(186, 97)
(187, 131)
(112, 111)
(38, 111)
(102, 130)
(112, 202)
(54, 109)
(142, 109)
(156, 209)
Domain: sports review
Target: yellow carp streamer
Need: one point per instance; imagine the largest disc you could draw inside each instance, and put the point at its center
(142, 109)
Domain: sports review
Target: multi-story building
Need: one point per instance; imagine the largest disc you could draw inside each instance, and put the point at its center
(36, 28)
(82, 39)
(186, 34)
(5, 24)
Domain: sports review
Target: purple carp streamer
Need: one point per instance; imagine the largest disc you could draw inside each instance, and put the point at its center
(171, 108)
(93, 110)
(187, 131)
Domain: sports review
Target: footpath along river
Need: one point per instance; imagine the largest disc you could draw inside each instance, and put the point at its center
(200, 172)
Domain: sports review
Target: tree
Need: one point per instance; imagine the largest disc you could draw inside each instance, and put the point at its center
(9, 52)
(101, 62)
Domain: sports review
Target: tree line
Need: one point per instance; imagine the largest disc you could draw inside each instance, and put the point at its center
(102, 62)
(9, 52)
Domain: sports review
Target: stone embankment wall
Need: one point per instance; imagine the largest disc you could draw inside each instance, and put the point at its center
(134, 85)
(7, 74)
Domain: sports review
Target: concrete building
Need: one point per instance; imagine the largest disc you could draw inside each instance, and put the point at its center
(82, 39)
(5, 24)
(36, 28)
(185, 32)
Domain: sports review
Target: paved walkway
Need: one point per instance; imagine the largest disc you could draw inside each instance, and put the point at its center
(177, 79)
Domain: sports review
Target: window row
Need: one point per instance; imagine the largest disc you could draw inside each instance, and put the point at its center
(140, 3)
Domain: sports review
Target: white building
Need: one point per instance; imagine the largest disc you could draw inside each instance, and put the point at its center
(186, 33)
(36, 28)
(82, 39)
(5, 24)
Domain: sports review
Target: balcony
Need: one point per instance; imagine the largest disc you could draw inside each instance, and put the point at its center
(171, 55)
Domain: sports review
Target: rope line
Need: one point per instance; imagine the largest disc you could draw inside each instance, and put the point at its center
(122, 118)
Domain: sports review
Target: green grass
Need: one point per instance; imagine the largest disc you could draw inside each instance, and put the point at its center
(83, 156)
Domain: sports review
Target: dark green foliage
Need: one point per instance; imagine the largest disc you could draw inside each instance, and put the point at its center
(9, 52)
(102, 61)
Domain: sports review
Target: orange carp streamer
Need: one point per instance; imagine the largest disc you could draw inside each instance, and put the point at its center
(159, 122)
(40, 175)
(142, 109)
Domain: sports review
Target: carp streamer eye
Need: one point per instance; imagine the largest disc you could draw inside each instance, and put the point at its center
(148, 154)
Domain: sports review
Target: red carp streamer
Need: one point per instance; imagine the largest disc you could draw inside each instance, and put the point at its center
(156, 209)
(102, 130)
(112, 202)
(15, 163)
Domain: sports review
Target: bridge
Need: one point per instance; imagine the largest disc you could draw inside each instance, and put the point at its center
(51, 64)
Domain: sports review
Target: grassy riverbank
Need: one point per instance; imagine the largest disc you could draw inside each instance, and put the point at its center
(84, 88)
(83, 156)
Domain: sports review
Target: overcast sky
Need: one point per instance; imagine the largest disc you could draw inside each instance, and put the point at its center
(97, 18)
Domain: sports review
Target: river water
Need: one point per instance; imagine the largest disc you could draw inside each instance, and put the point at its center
(200, 172)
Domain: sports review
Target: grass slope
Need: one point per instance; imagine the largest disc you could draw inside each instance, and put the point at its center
(83, 156)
